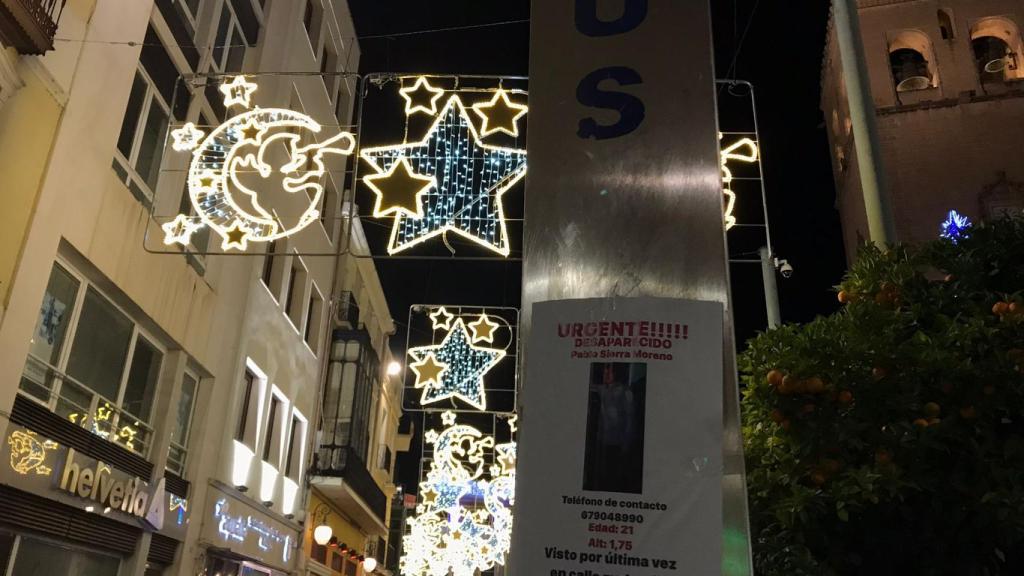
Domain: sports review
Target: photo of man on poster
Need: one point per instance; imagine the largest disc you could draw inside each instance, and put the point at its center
(615, 427)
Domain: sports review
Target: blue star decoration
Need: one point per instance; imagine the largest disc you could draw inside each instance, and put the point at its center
(955, 227)
(470, 177)
(455, 368)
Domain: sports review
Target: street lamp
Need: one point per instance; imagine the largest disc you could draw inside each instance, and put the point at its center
(322, 533)
(394, 368)
(369, 564)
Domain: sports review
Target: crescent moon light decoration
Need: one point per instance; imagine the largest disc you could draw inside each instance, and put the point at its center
(246, 145)
(742, 150)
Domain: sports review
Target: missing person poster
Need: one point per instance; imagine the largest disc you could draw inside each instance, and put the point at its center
(619, 467)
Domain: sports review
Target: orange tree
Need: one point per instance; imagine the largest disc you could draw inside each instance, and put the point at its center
(888, 438)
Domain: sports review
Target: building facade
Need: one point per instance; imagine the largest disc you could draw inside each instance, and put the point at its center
(160, 407)
(947, 80)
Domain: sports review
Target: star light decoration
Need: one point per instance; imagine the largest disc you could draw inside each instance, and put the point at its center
(450, 181)
(742, 150)
(455, 368)
(240, 147)
(955, 227)
(463, 523)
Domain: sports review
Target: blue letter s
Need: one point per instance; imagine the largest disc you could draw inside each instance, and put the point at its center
(630, 108)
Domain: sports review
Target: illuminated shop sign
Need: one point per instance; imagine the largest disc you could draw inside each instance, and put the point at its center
(247, 529)
(42, 466)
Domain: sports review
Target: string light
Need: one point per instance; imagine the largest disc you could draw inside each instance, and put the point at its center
(455, 368)
(446, 536)
(238, 146)
(743, 150)
(470, 179)
(955, 226)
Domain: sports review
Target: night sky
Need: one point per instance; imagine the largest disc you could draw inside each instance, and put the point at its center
(781, 50)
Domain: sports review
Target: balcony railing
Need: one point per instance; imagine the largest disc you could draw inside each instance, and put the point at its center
(30, 25)
(344, 462)
(74, 401)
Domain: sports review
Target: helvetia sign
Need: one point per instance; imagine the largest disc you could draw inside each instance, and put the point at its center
(97, 483)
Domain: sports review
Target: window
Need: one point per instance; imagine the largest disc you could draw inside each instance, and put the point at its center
(230, 43)
(271, 275)
(295, 298)
(946, 28)
(272, 431)
(182, 424)
(352, 386)
(296, 441)
(106, 380)
(996, 43)
(911, 59)
(246, 430)
(189, 12)
(329, 211)
(314, 312)
(312, 20)
(33, 557)
(140, 145)
(329, 69)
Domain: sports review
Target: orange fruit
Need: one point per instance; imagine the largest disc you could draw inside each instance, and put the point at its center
(831, 466)
(1000, 308)
(817, 478)
(883, 456)
(777, 416)
(1013, 308)
(814, 385)
(789, 385)
(775, 377)
(932, 410)
(921, 423)
(845, 397)
(883, 298)
(934, 421)
(968, 413)
(786, 424)
(843, 296)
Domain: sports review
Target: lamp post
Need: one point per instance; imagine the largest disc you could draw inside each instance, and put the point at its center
(881, 226)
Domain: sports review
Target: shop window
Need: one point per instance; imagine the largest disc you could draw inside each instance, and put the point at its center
(106, 379)
(34, 557)
(314, 318)
(176, 458)
(295, 297)
(946, 28)
(912, 61)
(997, 46)
(140, 145)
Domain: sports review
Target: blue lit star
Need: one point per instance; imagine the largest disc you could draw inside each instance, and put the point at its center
(471, 179)
(464, 368)
(955, 227)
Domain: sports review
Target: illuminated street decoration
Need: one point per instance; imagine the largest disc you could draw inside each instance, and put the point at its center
(399, 190)
(500, 115)
(742, 150)
(421, 97)
(469, 179)
(28, 453)
(239, 528)
(258, 147)
(441, 318)
(483, 329)
(454, 368)
(463, 523)
(126, 435)
(955, 227)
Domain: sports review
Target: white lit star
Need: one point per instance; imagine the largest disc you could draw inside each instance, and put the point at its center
(186, 138)
(465, 367)
(238, 91)
(180, 230)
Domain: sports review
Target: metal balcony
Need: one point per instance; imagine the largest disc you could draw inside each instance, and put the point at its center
(341, 475)
(29, 25)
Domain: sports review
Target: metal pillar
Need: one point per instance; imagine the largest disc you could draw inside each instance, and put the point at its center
(771, 289)
(881, 227)
(628, 202)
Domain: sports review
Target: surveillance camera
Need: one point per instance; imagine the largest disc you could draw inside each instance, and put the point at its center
(785, 268)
